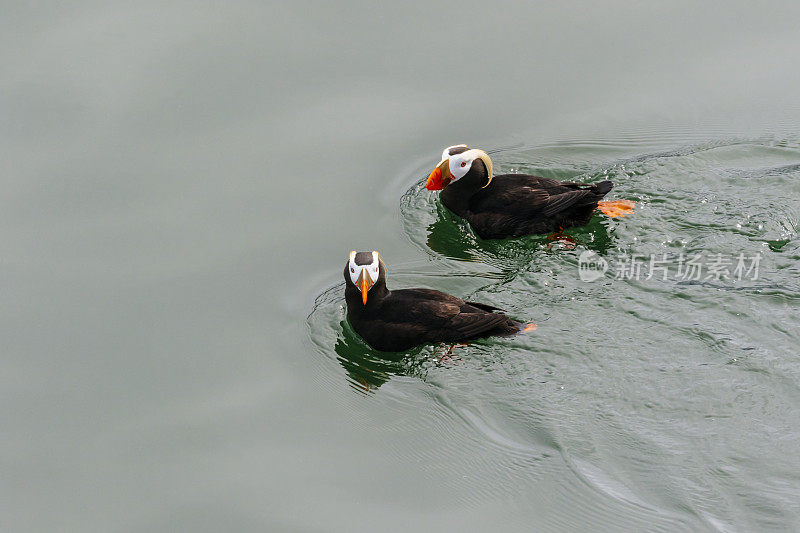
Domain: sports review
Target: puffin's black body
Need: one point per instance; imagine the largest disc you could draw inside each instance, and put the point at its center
(393, 321)
(513, 205)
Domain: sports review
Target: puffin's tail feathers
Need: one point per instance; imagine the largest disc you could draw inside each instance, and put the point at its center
(616, 208)
(602, 188)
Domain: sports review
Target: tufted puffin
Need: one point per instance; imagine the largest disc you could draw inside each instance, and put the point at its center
(512, 205)
(393, 321)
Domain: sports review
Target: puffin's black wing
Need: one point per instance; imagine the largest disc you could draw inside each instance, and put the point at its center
(523, 197)
(509, 200)
(465, 326)
(485, 307)
(443, 317)
(565, 200)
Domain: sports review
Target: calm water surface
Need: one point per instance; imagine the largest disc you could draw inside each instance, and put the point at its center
(182, 185)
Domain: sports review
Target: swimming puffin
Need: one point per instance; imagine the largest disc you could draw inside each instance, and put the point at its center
(512, 205)
(393, 321)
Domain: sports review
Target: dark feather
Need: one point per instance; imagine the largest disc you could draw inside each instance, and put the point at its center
(485, 307)
(560, 202)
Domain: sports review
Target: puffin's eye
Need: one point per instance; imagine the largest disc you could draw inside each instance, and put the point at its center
(353, 270)
(463, 163)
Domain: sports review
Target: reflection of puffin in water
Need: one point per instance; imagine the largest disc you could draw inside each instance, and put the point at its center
(366, 371)
(446, 236)
(512, 205)
(394, 321)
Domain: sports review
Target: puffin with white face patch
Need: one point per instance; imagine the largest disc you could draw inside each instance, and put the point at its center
(512, 205)
(393, 321)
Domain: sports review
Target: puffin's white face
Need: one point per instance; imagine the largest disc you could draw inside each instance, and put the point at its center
(461, 163)
(370, 269)
(456, 162)
(364, 275)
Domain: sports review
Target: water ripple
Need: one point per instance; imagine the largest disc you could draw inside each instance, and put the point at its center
(664, 404)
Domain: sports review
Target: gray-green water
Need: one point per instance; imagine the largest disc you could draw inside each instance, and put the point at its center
(181, 187)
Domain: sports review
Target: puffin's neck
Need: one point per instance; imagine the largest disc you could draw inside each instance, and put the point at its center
(356, 305)
(456, 196)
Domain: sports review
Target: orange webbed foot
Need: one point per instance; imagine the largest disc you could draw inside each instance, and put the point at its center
(564, 241)
(448, 356)
(616, 208)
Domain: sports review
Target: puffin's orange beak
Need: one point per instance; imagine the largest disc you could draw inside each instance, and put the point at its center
(440, 177)
(364, 282)
(435, 180)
